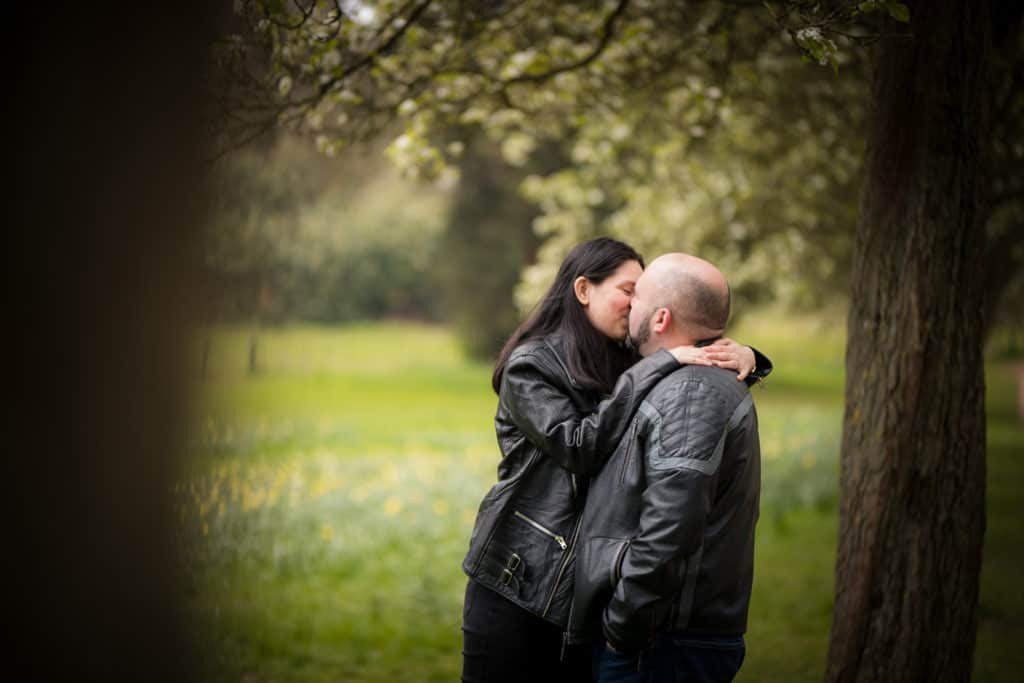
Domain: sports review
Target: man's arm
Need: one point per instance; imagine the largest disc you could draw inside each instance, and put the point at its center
(682, 461)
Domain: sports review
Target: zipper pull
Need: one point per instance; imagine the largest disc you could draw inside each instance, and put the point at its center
(565, 640)
(561, 541)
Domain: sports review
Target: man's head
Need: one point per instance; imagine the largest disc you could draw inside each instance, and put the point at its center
(679, 299)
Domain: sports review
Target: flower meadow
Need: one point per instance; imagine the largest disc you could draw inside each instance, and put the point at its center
(328, 498)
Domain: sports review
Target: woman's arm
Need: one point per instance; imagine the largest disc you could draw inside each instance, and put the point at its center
(750, 364)
(578, 442)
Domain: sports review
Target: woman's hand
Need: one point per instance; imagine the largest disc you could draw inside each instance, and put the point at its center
(691, 355)
(725, 353)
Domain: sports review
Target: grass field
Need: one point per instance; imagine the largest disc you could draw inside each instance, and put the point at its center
(329, 499)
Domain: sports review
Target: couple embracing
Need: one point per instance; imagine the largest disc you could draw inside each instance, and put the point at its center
(617, 544)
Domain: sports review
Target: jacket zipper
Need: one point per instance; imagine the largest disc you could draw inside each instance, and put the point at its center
(629, 451)
(565, 563)
(568, 626)
(673, 613)
(560, 540)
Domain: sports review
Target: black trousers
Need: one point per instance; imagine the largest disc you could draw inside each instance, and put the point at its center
(503, 642)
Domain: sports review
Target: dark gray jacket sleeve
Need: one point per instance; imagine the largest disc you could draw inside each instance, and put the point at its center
(579, 443)
(762, 367)
(682, 458)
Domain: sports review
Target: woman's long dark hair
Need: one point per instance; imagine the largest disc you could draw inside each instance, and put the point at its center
(594, 360)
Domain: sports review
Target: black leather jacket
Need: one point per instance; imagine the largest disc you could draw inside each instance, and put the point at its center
(553, 435)
(667, 540)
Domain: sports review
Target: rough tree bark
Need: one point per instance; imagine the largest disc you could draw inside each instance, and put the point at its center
(912, 503)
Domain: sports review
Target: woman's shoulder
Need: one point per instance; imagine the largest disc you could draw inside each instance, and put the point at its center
(543, 356)
(529, 351)
(547, 348)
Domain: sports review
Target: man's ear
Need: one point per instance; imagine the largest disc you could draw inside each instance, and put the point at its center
(581, 286)
(661, 320)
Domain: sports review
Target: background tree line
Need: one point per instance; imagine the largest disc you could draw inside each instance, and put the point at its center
(289, 242)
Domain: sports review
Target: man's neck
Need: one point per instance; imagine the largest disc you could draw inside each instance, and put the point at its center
(690, 338)
(708, 341)
(670, 341)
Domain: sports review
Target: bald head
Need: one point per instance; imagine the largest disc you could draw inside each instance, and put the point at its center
(694, 290)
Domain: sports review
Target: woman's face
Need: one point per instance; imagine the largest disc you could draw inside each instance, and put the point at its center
(607, 304)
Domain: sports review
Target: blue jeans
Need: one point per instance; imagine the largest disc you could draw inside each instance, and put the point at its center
(672, 659)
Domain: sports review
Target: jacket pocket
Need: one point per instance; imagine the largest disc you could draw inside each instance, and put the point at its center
(557, 538)
(493, 511)
(597, 563)
(620, 555)
(506, 571)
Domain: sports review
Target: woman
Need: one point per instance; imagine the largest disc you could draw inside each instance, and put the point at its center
(555, 431)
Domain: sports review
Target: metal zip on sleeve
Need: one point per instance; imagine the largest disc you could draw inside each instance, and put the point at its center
(560, 540)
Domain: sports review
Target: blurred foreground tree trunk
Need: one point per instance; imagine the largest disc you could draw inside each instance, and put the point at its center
(912, 509)
(106, 215)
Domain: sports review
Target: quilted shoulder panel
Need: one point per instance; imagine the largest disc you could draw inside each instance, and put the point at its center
(687, 419)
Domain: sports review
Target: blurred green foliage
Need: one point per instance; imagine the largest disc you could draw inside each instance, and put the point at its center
(329, 501)
(298, 236)
(678, 126)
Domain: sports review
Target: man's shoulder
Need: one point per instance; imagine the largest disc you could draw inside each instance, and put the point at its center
(715, 386)
(686, 414)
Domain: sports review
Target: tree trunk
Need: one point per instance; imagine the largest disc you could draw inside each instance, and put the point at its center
(912, 502)
(487, 242)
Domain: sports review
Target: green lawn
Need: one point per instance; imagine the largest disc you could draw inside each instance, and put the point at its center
(329, 500)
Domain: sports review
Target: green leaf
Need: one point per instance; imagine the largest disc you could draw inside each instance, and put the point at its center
(899, 11)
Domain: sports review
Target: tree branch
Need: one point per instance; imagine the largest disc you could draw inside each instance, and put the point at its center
(372, 56)
(607, 31)
(306, 13)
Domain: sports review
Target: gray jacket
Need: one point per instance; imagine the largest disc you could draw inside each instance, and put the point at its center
(667, 539)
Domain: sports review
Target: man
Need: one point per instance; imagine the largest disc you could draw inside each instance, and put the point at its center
(666, 558)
